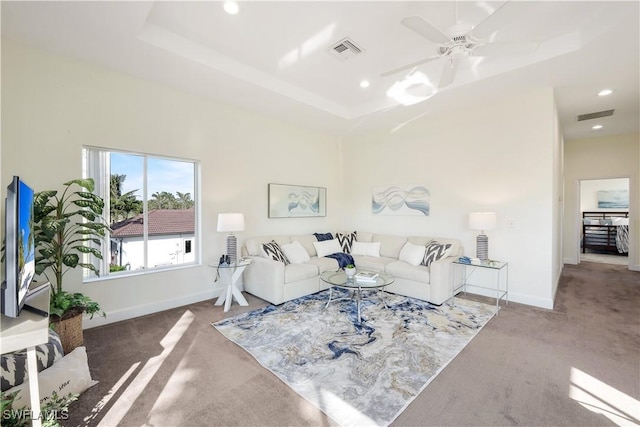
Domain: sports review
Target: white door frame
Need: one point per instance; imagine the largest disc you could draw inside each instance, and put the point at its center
(578, 215)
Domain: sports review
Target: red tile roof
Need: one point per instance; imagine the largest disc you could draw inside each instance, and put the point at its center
(161, 221)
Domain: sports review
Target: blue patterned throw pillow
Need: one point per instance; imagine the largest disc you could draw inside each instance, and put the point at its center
(273, 251)
(323, 236)
(435, 251)
(346, 241)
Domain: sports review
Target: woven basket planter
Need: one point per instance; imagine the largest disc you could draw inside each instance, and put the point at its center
(70, 331)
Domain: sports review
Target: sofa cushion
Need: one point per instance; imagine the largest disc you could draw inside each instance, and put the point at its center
(365, 236)
(306, 240)
(390, 245)
(435, 251)
(412, 254)
(327, 247)
(253, 246)
(376, 264)
(297, 272)
(346, 240)
(371, 249)
(324, 264)
(403, 270)
(272, 251)
(295, 252)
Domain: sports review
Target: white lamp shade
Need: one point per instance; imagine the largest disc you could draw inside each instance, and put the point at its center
(482, 220)
(230, 222)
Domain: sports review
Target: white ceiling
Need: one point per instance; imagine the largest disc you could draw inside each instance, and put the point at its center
(274, 57)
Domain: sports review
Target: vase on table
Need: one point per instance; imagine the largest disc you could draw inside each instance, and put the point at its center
(350, 272)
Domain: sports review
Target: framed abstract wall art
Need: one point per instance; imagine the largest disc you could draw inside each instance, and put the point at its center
(295, 201)
(400, 200)
(613, 199)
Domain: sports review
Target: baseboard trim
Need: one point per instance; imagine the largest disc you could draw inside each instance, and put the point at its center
(143, 310)
(516, 297)
(531, 300)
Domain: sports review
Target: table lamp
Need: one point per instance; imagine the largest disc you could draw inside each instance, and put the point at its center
(482, 221)
(231, 222)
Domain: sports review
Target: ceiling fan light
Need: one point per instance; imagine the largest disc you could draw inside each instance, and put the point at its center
(231, 7)
(597, 127)
(605, 92)
(415, 88)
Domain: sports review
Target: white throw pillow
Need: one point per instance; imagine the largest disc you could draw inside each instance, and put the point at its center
(620, 221)
(295, 252)
(412, 254)
(327, 247)
(366, 249)
(68, 375)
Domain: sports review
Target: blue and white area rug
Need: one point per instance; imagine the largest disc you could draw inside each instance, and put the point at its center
(357, 373)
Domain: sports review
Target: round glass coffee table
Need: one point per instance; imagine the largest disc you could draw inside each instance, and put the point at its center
(339, 279)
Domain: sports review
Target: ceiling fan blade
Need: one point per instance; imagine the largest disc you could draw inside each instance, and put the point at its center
(408, 66)
(506, 13)
(504, 49)
(425, 29)
(449, 71)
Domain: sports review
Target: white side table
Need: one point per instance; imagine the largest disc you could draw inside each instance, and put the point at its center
(229, 276)
(500, 287)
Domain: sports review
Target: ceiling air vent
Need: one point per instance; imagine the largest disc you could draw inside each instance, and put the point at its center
(605, 113)
(345, 49)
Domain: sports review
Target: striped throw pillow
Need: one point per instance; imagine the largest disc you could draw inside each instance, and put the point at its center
(435, 251)
(346, 240)
(273, 251)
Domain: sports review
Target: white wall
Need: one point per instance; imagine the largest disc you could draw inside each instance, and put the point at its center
(557, 261)
(589, 192)
(601, 158)
(51, 106)
(490, 157)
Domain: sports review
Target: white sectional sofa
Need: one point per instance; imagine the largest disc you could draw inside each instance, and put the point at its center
(276, 282)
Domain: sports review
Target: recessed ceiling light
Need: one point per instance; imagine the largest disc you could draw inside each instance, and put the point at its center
(231, 7)
(605, 92)
(365, 84)
(597, 127)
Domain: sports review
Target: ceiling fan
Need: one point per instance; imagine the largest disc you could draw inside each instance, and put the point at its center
(464, 41)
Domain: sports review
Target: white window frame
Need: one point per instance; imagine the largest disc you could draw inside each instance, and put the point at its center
(95, 164)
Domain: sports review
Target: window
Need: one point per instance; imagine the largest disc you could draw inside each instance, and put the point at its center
(151, 204)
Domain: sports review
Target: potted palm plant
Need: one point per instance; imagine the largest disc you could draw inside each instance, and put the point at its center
(66, 226)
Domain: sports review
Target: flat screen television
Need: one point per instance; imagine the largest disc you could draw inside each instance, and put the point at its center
(19, 262)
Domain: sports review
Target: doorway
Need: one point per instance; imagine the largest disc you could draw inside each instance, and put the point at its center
(610, 199)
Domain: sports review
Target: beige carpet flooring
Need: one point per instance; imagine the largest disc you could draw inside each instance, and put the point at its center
(605, 258)
(576, 365)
